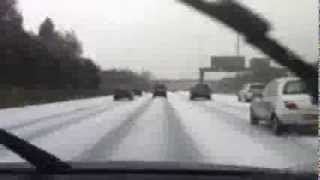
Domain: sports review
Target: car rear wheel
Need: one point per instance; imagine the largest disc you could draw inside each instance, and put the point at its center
(253, 119)
(276, 126)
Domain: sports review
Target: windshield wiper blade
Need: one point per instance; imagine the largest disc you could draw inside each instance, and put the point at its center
(255, 29)
(42, 160)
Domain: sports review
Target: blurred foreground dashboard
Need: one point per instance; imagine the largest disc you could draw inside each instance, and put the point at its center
(151, 171)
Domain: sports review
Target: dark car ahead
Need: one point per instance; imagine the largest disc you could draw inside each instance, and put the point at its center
(122, 93)
(200, 90)
(160, 90)
(137, 92)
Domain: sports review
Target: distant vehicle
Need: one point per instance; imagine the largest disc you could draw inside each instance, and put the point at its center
(249, 91)
(137, 92)
(285, 102)
(160, 90)
(122, 93)
(200, 90)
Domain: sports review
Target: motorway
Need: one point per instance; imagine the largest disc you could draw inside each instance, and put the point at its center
(156, 129)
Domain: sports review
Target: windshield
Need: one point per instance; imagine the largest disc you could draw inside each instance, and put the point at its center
(65, 65)
(295, 87)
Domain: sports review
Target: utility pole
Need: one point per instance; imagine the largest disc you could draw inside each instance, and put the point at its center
(238, 45)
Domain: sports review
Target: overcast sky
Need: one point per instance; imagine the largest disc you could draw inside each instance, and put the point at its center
(164, 36)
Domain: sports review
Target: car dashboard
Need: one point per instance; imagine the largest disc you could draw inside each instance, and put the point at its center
(150, 171)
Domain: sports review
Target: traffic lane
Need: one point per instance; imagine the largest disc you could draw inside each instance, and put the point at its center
(225, 104)
(157, 135)
(45, 126)
(227, 101)
(70, 142)
(225, 139)
(103, 149)
(145, 141)
(300, 148)
(228, 104)
(231, 103)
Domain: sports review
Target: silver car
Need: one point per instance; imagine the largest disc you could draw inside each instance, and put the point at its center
(284, 102)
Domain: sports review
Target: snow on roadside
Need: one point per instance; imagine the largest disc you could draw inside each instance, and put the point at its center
(70, 142)
(15, 116)
(222, 144)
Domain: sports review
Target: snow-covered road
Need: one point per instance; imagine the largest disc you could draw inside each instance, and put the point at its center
(156, 129)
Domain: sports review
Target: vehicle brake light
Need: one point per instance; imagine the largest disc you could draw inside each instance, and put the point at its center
(290, 105)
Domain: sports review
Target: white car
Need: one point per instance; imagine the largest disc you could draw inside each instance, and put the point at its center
(284, 102)
(249, 91)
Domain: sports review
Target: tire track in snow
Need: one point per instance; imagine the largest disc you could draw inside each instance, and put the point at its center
(49, 117)
(112, 139)
(62, 124)
(73, 143)
(147, 140)
(158, 135)
(181, 146)
(221, 143)
(237, 110)
(28, 115)
(67, 123)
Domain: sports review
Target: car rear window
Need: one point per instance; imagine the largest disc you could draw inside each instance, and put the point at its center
(257, 86)
(160, 86)
(295, 87)
(202, 86)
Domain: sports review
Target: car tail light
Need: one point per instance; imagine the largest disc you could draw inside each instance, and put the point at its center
(290, 105)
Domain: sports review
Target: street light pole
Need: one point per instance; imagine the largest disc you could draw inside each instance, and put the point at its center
(238, 45)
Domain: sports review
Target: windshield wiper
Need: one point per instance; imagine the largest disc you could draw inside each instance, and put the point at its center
(42, 160)
(255, 30)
